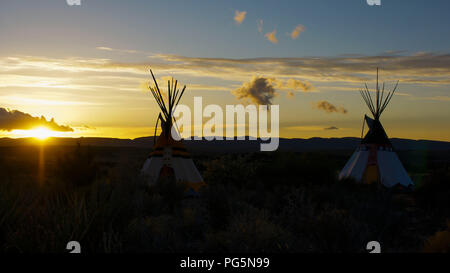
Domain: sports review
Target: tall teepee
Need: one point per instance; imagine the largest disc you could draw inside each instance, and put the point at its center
(375, 160)
(169, 156)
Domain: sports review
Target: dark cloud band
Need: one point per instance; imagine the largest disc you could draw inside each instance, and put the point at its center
(14, 119)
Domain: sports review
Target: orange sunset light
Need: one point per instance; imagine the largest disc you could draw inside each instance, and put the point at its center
(40, 133)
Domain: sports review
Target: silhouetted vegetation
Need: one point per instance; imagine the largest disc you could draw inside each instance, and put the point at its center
(255, 202)
(78, 168)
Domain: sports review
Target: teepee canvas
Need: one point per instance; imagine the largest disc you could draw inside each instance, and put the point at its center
(375, 160)
(169, 156)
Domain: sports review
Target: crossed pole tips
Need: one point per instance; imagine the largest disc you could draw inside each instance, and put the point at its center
(379, 105)
(173, 98)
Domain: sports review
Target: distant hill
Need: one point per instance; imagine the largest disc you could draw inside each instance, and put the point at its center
(296, 144)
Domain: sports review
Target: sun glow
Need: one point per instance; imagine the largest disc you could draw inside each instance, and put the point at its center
(40, 133)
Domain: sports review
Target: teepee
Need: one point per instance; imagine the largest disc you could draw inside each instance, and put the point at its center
(375, 160)
(169, 157)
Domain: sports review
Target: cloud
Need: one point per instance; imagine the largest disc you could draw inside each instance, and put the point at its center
(435, 98)
(104, 48)
(27, 100)
(271, 36)
(290, 95)
(331, 128)
(395, 52)
(304, 128)
(296, 32)
(426, 69)
(239, 16)
(330, 108)
(85, 128)
(422, 69)
(259, 91)
(260, 25)
(440, 98)
(14, 119)
(294, 85)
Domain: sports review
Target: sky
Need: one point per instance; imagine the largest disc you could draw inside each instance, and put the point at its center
(82, 70)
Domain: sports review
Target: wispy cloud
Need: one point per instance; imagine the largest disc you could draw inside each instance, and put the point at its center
(436, 98)
(14, 119)
(296, 32)
(293, 84)
(272, 36)
(330, 108)
(239, 16)
(27, 100)
(260, 24)
(304, 128)
(331, 128)
(78, 73)
(85, 128)
(131, 51)
(104, 48)
(427, 68)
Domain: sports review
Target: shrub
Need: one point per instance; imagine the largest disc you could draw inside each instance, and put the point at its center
(439, 242)
(252, 231)
(218, 207)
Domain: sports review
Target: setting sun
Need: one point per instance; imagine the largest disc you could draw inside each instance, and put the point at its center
(41, 133)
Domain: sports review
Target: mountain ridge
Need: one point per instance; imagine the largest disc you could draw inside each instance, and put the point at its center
(285, 144)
